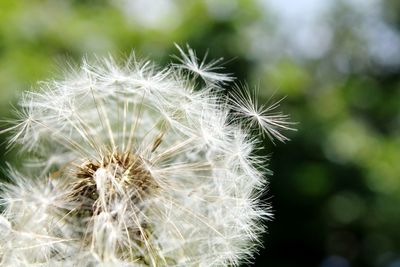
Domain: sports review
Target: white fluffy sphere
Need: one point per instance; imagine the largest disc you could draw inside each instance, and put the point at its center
(136, 165)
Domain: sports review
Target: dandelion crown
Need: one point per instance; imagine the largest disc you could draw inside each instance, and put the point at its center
(134, 165)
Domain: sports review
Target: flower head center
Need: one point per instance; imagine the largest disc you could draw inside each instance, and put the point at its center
(115, 176)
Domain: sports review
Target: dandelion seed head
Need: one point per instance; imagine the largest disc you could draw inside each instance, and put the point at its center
(131, 164)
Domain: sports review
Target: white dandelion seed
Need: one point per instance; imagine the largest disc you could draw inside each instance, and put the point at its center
(207, 71)
(132, 165)
(264, 117)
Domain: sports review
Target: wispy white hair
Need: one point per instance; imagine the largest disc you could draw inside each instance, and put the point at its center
(135, 165)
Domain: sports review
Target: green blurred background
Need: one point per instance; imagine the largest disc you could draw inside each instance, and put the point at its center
(336, 187)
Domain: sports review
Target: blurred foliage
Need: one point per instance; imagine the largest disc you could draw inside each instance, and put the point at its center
(336, 188)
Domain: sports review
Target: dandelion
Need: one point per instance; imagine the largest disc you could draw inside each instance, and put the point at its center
(135, 165)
